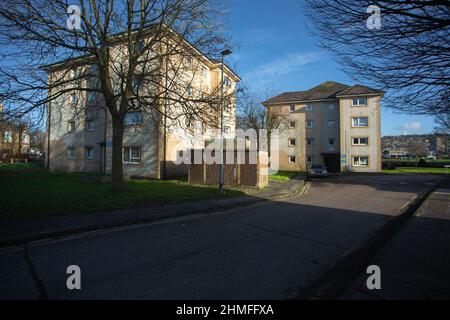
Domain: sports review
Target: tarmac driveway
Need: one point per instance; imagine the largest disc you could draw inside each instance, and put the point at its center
(266, 251)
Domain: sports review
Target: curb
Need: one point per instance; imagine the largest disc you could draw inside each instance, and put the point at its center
(338, 276)
(241, 203)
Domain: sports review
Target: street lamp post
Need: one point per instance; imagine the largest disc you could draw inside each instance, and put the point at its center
(222, 168)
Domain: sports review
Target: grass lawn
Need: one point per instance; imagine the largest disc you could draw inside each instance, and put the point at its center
(417, 170)
(28, 193)
(282, 176)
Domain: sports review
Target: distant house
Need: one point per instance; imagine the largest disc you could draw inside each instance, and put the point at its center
(331, 124)
(14, 139)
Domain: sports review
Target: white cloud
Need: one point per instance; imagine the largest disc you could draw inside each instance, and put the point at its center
(289, 64)
(410, 128)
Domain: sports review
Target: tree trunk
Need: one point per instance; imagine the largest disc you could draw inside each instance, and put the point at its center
(117, 166)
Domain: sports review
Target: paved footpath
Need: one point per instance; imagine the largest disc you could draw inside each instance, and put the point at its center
(415, 264)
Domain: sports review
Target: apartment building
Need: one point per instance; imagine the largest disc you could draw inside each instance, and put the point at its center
(332, 124)
(79, 126)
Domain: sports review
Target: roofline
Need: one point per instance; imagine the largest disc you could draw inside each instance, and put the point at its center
(54, 66)
(382, 93)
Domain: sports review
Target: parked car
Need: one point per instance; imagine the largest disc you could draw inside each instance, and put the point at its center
(317, 170)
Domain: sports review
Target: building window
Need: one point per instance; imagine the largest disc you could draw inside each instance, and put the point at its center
(331, 124)
(360, 141)
(358, 102)
(74, 74)
(360, 161)
(310, 159)
(140, 46)
(189, 91)
(203, 72)
(291, 142)
(309, 107)
(90, 125)
(89, 153)
(309, 123)
(331, 106)
(71, 153)
(74, 98)
(91, 96)
(70, 126)
(8, 137)
(291, 159)
(132, 155)
(137, 83)
(310, 142)
(292, 125)
(292, 108)
(133, 118)
(360, 122)
(189, 62)
(226, 82)
(226, 129)
(331, 141)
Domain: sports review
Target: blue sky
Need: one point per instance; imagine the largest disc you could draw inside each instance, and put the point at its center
(276, 49)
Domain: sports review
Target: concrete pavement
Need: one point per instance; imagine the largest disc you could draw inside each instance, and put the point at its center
(268, 250)
(416, 263)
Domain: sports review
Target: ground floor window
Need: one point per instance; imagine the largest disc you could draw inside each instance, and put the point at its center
(291, 159)
(310, 159)
(89, 153)
(132, 155)
(71, 153)
(359, 161)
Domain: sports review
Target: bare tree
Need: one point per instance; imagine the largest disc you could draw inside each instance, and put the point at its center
(409, 55)
(443, 123)
(252, 114)
(417, 148)
(133, 55)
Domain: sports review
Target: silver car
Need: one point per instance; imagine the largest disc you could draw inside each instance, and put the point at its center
(317, 170)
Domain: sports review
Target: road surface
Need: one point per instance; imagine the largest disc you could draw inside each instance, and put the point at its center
(266, 251)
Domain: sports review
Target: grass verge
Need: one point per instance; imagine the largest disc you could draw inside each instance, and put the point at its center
(28, 193)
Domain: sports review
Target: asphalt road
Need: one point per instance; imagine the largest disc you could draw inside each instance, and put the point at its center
(265, 251)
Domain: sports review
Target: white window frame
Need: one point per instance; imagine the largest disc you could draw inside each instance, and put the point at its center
(309, 124)
(290, 159)
(358, 102)
(86, 154)
(290, 124)
(358, 124)
(87, 125)
(354, 158)
(333, 122)
(70, 153)
(130, 155)
(309, 107)
(292, 108)
(312, 142)
(290, 140)
(359, 141)
(203, 71)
